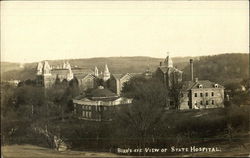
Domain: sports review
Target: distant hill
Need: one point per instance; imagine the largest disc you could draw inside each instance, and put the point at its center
(224, 68)
(115, 64)
(219, 68)
(8, 66)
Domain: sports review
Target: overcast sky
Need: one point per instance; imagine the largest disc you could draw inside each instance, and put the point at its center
(41, 30)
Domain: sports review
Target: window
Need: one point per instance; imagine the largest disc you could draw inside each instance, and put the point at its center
(200, 86)
(212, 94)
(83, 114)
(195, 94)
(201, 94)
(206, 102)
(213, 102)
(201, 103)
(206, 94)
(216, 85)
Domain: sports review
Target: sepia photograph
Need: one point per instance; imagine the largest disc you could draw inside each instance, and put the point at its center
(125, 78)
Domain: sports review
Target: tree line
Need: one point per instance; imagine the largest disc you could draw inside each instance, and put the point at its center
(31, 114)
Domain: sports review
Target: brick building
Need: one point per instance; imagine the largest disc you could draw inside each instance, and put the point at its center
(167, 73)
(201, 94)
(99, 105)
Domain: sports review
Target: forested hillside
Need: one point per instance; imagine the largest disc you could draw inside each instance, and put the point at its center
(115, 64)
(223, 68)
(8, 66)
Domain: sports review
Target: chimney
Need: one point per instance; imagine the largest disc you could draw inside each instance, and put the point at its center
(160, 63)
(196, 79)
(191, 70)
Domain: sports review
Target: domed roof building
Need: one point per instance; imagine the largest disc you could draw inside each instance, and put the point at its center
(102, 93)
(100, 104)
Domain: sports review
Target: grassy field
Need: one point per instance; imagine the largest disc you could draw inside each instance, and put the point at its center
(31, 151)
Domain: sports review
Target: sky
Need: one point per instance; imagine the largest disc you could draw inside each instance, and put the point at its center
(32, 31)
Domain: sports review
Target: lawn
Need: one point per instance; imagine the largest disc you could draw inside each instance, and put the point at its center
(31, 151)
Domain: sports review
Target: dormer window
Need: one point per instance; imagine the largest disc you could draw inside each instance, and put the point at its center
(216, 85)
(200, 86)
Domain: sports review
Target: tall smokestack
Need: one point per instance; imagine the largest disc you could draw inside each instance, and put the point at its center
(191, 70)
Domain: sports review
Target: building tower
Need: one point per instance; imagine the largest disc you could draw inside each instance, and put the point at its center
(39, 74)
(70, 75)
(39, 68)
(47, 76)
(167, 73)
(168, 61)
(106, 73)
(96, 71)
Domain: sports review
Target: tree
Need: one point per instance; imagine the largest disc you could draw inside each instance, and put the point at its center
(142, 118)
(175, 94)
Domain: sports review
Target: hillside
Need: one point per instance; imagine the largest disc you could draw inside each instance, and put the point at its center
(8, 66)
(115, 64)
(222, 68)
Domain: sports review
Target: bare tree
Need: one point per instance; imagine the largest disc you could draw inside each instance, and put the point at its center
(142, 119)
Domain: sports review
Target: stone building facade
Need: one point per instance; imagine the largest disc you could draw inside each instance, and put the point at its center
(87, 79)
(46, 75)
(117, 81)
(202, 94)
(99, 105)
(194, 94)
(168, 74)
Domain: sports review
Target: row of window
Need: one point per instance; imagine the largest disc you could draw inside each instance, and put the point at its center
(86, 107)
(86, 114)
(201, 94)
(205, 103)
(97, 108)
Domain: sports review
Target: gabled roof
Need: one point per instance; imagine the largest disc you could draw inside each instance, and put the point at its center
(82, 71)
(117, 76)
(187, 85)
(135, 74)
(165, 69)
(60, 71)
(120, 76)
(82, 76)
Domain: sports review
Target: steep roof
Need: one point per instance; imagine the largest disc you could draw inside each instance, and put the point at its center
(165, 69)
(168, 62)
(82, 71)
(135, 74)
(187, 85)
(60, 71)
(106, 69)
(82, 76)
(117, 76)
